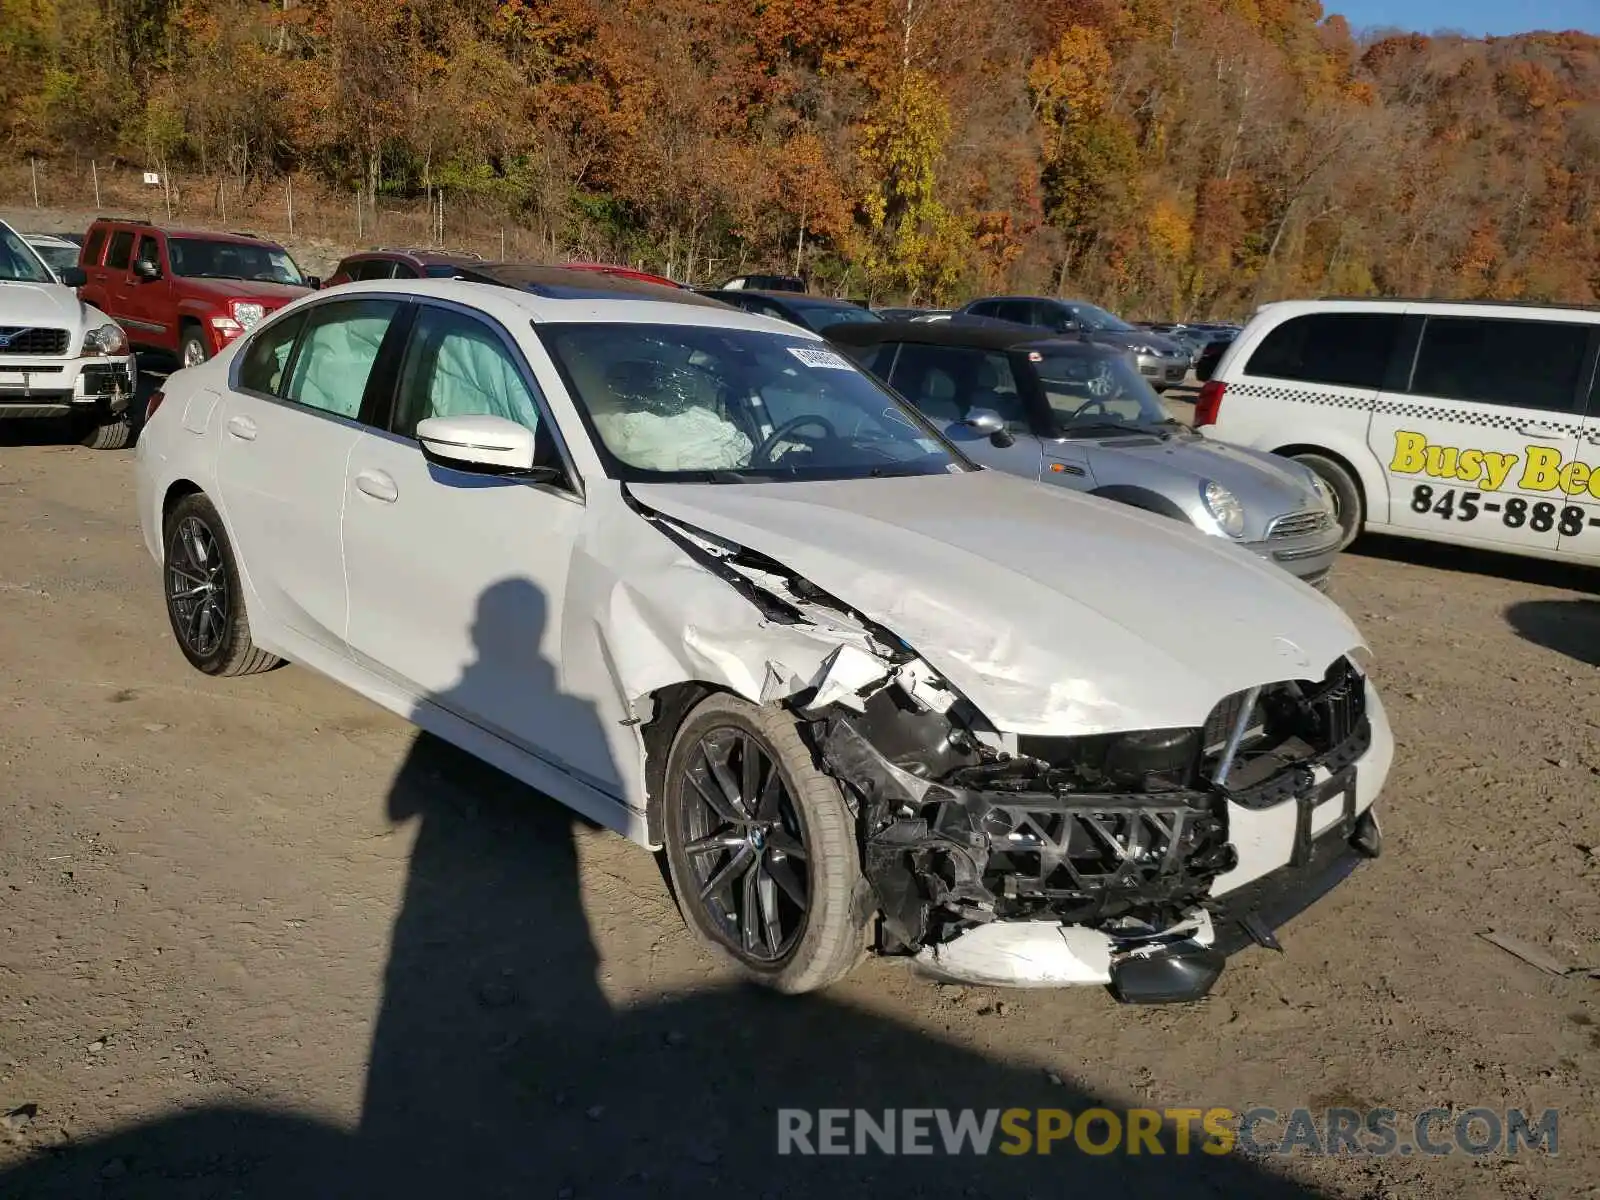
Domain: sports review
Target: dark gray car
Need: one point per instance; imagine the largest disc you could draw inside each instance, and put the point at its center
(1160, 359)
(1075, 413)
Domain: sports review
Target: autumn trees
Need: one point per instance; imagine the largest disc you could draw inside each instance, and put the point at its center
(1173, 157)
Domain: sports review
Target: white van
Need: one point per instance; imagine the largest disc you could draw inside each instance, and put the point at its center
(1456, 422)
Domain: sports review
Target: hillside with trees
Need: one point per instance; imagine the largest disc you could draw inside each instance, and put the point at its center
(1162, 156)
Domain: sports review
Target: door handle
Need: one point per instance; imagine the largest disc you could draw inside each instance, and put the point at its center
(242, 428)
(1535, 429)
(379, 485)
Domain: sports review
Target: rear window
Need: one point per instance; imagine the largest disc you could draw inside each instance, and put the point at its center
(1524, 364)
(121, 250)
(1342, 349)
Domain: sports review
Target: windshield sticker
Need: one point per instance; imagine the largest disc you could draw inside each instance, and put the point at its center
(816, 356)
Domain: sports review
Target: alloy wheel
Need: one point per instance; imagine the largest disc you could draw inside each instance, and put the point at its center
(193, 353)
(745, 846)
(197, 587)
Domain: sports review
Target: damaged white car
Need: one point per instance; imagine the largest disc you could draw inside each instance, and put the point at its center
(689, 571)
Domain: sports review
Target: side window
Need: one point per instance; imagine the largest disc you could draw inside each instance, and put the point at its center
(148, 251)
(336, 355)
(946, 382)
(876, 359)
(456, 366)
(985, 308)
(1344, 349)
(121, 250)
(402, 271)
(374, 268)
(1524, 364)
(261, 366)
(95, 244)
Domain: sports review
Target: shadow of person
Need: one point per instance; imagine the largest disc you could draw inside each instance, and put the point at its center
(1570, 627)
(498, 1066)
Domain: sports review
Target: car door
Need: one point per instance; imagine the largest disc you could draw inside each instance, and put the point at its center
(947, 383)
(115, 273)
(1580, 530)
(457, 579)
(148, 302)
(290, 419)
(93, 291)
(1476, 444)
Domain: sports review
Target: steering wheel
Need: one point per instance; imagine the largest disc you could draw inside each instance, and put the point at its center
(763, 452)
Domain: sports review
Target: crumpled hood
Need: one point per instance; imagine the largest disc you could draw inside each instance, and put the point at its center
(40, 305)
(1054, 612)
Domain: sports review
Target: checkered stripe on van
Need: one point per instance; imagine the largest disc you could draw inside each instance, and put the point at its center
(1472, 416)
(1263, 391)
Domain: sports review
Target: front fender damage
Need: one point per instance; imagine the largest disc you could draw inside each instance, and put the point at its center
(985, 864)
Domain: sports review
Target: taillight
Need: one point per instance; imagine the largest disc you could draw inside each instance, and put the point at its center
(1209, 404)
(156, 397)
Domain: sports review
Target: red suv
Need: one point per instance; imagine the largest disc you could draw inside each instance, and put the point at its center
(186, 293)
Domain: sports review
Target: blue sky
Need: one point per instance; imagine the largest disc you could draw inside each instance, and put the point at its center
(1476, 17)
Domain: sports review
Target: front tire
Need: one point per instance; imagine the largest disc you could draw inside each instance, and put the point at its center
(1350, 508)
(205, 601)
(114, 433)
(193, 351)
(761, 847)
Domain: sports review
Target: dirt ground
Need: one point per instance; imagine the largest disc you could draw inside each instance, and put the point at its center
(259, 939)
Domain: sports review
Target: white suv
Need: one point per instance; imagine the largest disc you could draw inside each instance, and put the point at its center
(1456, 422)
(691, 572)
(58, 356)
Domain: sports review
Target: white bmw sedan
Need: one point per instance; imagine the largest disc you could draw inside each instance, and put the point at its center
(690, 572)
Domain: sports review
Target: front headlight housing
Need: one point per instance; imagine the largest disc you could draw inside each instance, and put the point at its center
(104, 340)
(1323, 491)
(247, 313)
(1224, 508)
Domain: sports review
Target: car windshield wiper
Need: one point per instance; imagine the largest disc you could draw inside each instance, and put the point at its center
(1099, 429)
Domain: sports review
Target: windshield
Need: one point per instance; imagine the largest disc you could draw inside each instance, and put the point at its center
(18, 262)
(1095, 392)
(1091, 317)
(57, 258)
(689, 403)
(198, 258)
(818, 317)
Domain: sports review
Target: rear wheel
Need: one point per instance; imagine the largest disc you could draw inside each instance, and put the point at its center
(205, 602)
(1349, 509)
(761, 847)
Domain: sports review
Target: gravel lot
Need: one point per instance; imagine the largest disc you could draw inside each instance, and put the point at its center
(260, 939)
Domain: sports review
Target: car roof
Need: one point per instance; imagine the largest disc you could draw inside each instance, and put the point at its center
(577, 284)
(622, 272)
(555, 295)
(965, 336)
(210, 235)
(428, 258)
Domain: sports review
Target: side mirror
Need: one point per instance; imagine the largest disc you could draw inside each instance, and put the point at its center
(147, 270)
(483, 445)
(73, 277)
(313, 282)
(983, 420)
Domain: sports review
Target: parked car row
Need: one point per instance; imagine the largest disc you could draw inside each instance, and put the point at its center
(60, 356)
(747, 596)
